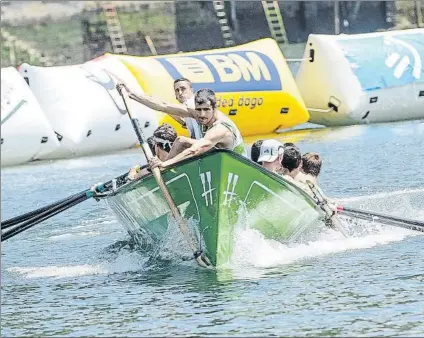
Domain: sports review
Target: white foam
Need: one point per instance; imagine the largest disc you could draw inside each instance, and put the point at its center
(59, 271)
(74, 235)
(123, 263)
(95, 223)
(253, 249)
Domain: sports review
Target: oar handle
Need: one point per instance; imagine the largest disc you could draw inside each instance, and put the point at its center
(200, 258)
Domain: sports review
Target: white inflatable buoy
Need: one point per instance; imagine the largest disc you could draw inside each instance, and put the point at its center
(84, 107)
(25, 132)
(363, 78)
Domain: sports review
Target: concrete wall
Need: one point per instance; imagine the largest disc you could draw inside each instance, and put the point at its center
(197, 27)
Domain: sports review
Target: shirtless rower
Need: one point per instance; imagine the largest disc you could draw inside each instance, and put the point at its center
(311, 168)
(291, 163)
(308, 177)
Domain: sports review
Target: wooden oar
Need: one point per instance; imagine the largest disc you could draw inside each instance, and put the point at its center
(200, 257)
(383, 218)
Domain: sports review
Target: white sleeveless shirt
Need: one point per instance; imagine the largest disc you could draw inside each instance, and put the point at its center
(192, 125)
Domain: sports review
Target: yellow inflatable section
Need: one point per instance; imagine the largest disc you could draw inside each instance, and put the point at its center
(253, 83)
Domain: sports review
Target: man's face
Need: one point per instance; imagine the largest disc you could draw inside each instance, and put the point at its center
(205, 113)
(183, 91)
(160, 153)
(274, 166)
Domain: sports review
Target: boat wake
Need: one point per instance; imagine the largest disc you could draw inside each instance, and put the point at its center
(254, 250)
(125, 262)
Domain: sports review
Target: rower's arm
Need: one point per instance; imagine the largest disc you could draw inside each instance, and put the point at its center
(212, 137)
(180, 120)
(169, 108)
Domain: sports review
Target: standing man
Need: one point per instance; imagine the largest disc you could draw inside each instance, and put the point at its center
(184, 94)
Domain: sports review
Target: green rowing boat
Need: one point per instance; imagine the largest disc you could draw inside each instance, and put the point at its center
(217, 191)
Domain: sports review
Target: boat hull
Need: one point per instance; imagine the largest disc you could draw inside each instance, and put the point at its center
(216, 192)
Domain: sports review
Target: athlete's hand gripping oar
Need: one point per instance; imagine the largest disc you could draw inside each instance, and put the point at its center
(333, 221)
(407, 223)
(200, 257)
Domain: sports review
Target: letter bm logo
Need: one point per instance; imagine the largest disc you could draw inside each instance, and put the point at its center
(236, 71)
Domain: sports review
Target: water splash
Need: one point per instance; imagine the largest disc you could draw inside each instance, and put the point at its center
(120, 264)
(173, 246)
(72, 236)
(252, 249)
(58, 271)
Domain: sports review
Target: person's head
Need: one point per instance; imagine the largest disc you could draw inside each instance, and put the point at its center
(205, 103)
(290, 144)
(291, 160)
(256, 151)
(164, 137)
(151, 143)
(183, 89)
(311, 164)
(271, 154)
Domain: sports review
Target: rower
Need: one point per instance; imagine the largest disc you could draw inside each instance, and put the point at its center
(255, 151)
(291, 163)
(311, 168)
(162, 140)
(283, 171)
(271, 155)
(308, 177)
(217, 130)
(183, 89)
(290, 144)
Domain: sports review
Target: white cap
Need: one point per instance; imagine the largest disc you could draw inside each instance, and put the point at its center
(270, 149)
